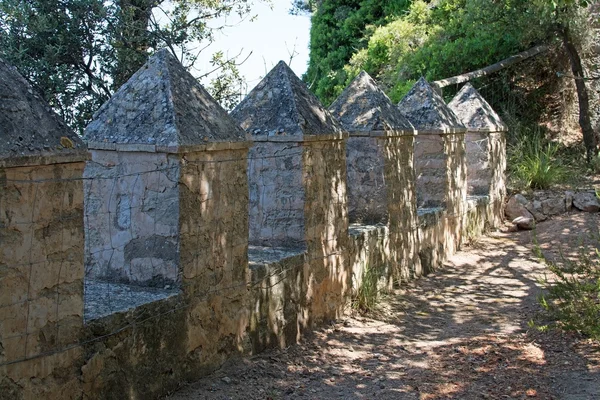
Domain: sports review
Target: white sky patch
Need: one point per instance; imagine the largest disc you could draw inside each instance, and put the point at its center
(271, 37)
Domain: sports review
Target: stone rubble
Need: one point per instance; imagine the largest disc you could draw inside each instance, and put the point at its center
(525, 212)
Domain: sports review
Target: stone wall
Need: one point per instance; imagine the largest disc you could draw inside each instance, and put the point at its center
(327, 271)
(430, 168)
(367, 195)
(131, 199)
(183, 217)
(276, 194)
(456, 207)
(41, 276)
(402, 208)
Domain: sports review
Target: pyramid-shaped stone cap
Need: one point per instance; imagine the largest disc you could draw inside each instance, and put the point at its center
(474, 112)
(364, 108)
(427, 111)
(281, 107)
(162, 107)
(28, 126)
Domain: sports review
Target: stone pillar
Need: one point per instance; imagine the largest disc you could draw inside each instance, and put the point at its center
(213, 246)
(440, 170)
(485, 150)
(169, 170)
(41, 251)
(456, 171)
(381, 176)
(297, 172)
(326, 227)
(402, 205)
(367, 194)
(41, 226)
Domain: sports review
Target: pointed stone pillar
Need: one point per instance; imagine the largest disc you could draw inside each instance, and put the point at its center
(297, 171)
(440, 169)
(381, 176)
(41, 243)
(167, 201)
(485, 149)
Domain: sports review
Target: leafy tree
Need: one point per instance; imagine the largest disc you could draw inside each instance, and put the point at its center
(339, 28)
(446, 38)
(78, 52)
(566, 20)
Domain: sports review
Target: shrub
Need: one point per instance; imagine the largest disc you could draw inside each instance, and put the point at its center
(534, 162)
(367, 295)
(572, 299)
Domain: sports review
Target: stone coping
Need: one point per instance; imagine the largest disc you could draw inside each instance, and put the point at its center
(495, 129)
(475, 200)
(358, 229)
(263, 255)
(49, 158)
(298, 138)
(384, 134)
(151, 148)
(102, 299)
(444, 131)
(429, 216)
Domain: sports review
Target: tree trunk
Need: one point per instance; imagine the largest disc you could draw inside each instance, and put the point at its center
(133, 38)
(589, 137)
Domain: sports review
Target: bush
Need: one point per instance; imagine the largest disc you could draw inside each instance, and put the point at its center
(573, 297)
(533, 162)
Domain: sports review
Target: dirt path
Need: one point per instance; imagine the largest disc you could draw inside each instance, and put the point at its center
(460, 333)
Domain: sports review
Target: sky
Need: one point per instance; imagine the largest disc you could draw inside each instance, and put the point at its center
(270, 37)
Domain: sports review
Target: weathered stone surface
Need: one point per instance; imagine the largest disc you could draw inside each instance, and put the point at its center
(485, 147)
(281, 105)
(536, 209)
(569, 196)
(525, 223)
(431, 234)
(326, 226)
(133, 194)
(400, 183)
(474, 112)
(456, 176)
(372, 120)
(41, 258)
(276, 202)
(497, 145)
(28, 126)
(586, 201)
(367, 190)
(553, 205)
(105, 298)
(363, 108)
(131, 208)
(516, 207)
(162, 105)
(427, 111)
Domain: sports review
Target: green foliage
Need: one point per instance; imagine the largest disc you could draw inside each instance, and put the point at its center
(455, 37)
(339, 28)
(573, 297)
(367, 296)
(399, 42)
(77, 52)
(534, 162)
(57, 46)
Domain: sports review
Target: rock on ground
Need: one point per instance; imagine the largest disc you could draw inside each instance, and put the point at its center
(586, 201)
